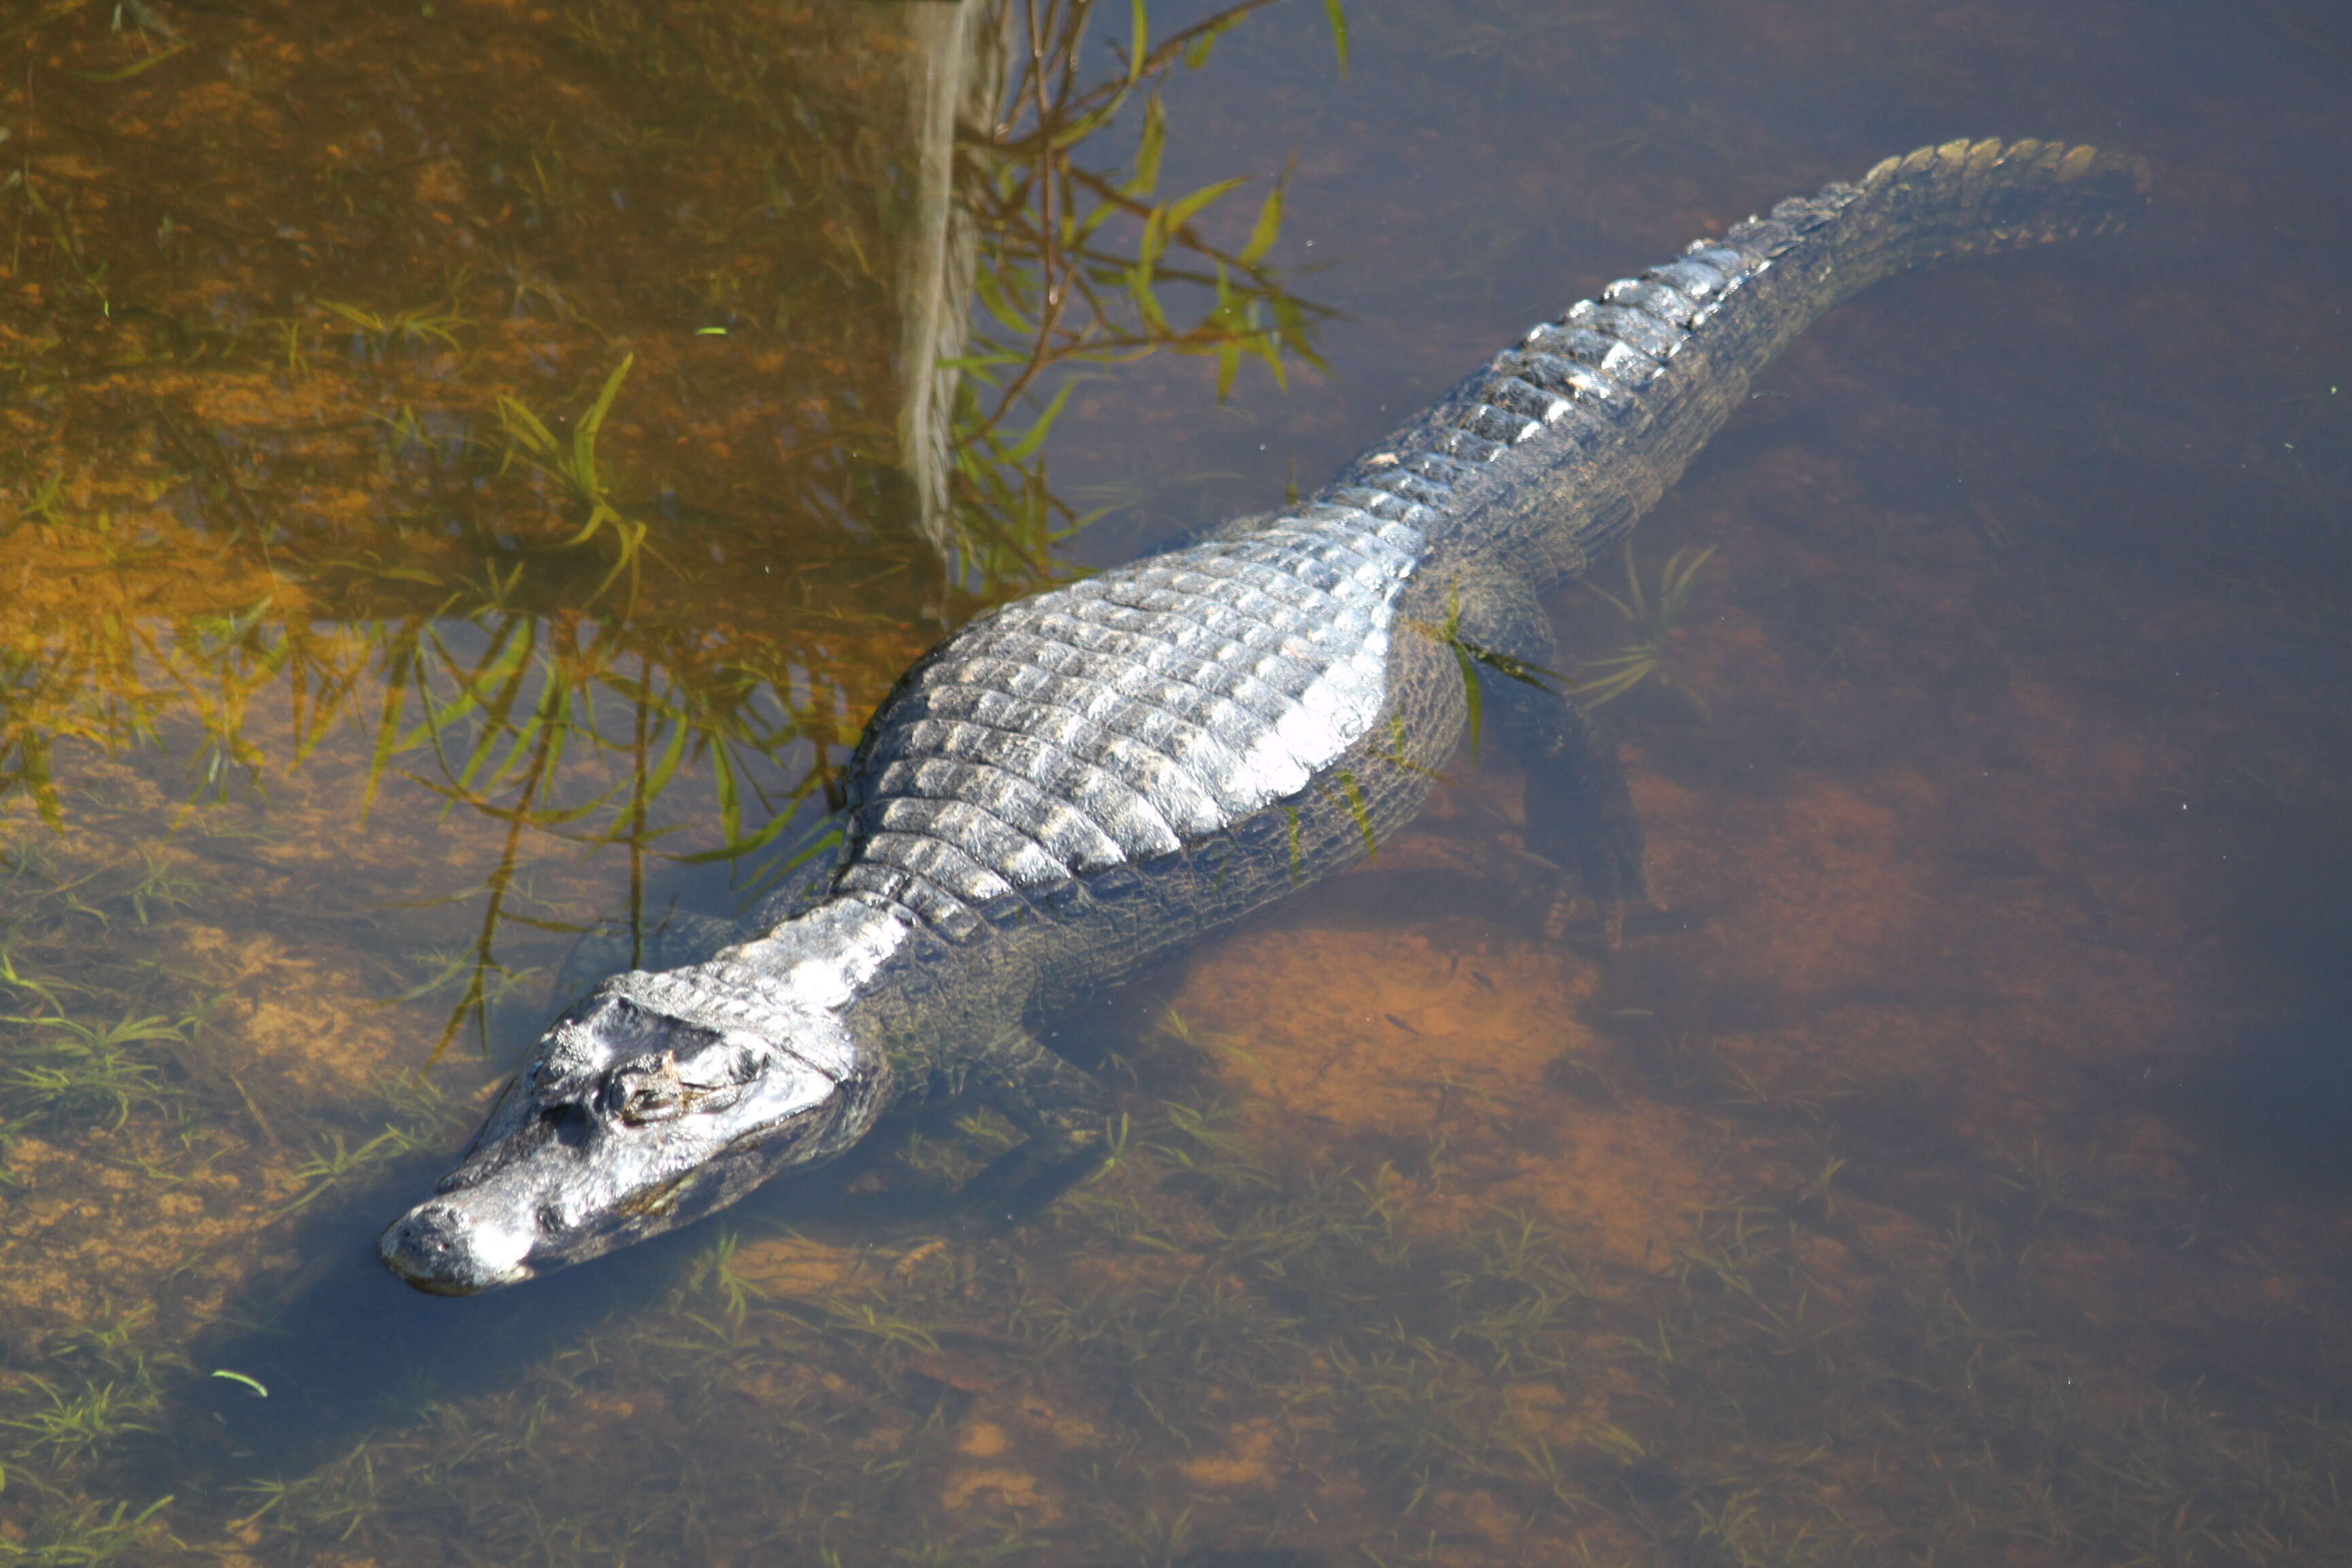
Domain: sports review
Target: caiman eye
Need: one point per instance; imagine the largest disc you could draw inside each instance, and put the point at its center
(647, 1089)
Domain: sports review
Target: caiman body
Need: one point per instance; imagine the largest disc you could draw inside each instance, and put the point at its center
(1080, 781)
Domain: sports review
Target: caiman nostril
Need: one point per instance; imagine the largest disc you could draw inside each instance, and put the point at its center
(437, 1248)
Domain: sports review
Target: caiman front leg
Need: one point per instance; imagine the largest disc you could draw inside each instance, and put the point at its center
(1064, 1110)
(1580, 814)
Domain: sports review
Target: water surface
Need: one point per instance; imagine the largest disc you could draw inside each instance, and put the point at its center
(469, 470)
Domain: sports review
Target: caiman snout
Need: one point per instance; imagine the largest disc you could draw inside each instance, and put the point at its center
(658, 1098)
(436, 1246)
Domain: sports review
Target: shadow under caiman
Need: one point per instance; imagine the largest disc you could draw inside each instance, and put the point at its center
(1080, 781)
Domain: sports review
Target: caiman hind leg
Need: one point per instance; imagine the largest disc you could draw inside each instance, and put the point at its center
(1580, 814)
(1066, 1112)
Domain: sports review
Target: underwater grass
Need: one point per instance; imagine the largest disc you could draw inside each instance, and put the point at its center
(77, 1424)
(1650, 617)
(65, 1069)
(1418, 1370)
(381, 332)
(574, 466)
(87, 1534)
(77, 1048)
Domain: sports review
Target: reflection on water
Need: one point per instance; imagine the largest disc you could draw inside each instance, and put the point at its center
(470, 469)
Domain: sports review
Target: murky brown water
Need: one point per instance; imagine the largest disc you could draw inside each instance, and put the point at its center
(1955, 1172)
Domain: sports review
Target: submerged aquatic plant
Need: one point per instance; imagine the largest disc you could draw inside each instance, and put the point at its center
(1252, 1336)
(1652, 616)
(65, 1069)
(380, 332)
(75, 1425)
(1173, 1364)
(1469, 659)
(213, 601)
(335, 1160)
(85, 1534)
(574, 466)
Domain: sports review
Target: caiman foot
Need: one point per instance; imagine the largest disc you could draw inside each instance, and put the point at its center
(1610, 915)
(1590, 832)
(1021, 1183)
(1067, 1114)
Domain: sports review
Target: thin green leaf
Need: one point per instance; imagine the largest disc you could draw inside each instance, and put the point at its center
(1518, 669)
(1034, 437)
(252, 1383)
(1269, 226)
(1471, 695)
(731, 795)
(1148, 151)
(399, 668)
(1354, 797)
(1337, 14)
(1147, 303)
(133, 69)
(672, 757)
(583, 435)
(1181, 213)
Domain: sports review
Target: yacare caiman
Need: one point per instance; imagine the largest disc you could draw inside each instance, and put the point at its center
(1082, 780)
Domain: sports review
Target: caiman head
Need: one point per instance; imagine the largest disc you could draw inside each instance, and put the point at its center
(656, 1100)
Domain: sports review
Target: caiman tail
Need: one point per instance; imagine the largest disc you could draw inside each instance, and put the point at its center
(1968, 198)
(1575, 433)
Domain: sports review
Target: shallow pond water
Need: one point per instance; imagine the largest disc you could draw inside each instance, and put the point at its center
(467, 470)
